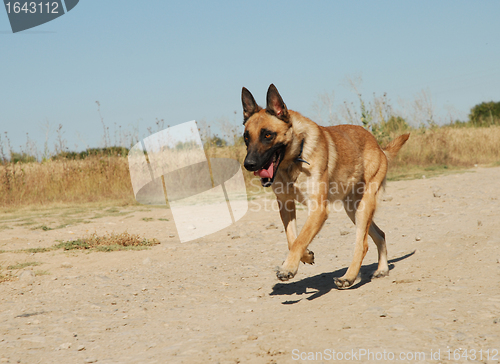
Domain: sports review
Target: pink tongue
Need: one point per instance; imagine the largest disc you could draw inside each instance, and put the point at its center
(265, 173)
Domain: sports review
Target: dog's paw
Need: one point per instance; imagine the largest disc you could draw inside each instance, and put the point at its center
(380, 273)
(283, 274)
(308, 257)
(342, 283)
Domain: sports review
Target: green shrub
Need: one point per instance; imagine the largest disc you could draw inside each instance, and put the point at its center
(485, 114)
(21, 158)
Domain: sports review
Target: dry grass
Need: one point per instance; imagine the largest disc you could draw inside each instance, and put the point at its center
(23, 265)
(109, 242)
(107, 179)
(455, 147)
(106, 243)
(66, 181)
(436, 151)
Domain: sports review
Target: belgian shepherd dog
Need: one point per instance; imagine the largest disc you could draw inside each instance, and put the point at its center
(315, 165)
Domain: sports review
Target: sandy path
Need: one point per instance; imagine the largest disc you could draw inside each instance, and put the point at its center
(218, 300)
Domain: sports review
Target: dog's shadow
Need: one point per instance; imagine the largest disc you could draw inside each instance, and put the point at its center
(321, 284)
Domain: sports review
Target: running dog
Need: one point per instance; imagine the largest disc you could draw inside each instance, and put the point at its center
(316, 166)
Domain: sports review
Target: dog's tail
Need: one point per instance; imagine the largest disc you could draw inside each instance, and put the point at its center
(392, 149)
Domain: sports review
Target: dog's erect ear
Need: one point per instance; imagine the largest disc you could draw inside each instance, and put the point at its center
(250, 107)
(275, 105)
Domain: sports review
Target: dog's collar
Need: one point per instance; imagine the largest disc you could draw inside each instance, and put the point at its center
(299, 157)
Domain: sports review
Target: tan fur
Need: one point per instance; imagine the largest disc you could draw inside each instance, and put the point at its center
(346, 164)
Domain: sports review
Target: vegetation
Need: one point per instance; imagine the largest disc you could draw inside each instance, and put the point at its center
(485, 114)
(92, 179)
(23, 265)
(92, 152)
(106, 243)
(21, 158)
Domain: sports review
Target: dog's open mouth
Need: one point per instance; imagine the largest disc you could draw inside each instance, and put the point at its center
(268, 171)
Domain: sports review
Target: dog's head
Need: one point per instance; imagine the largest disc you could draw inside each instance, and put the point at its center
(267, 134)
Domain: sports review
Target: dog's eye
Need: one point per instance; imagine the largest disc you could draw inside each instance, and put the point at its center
(267, 136)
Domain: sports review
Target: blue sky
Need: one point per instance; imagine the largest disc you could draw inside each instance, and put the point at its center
(180, 61)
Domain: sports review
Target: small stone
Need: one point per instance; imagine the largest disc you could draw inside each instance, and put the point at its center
(90, 360)
(252, 337)
(146, 261)
(460, 336)
(387, 198)
(235, 237)
(344, 232)
(271, 226)
(81, 347)
(496, 321)
(66, 265)
(26, 277)
(437, 194)
(64, 346)
(398, 328)
(418, 238)
(171, 236)
(479, 223)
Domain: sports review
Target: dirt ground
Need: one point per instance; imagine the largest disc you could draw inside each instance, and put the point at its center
(217, 299)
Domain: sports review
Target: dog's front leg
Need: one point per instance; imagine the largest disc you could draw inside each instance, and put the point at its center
(288, 217)
(318, 212)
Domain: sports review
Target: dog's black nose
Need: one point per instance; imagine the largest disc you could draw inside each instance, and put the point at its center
(250, 164)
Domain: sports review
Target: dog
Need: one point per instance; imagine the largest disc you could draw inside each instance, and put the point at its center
(315, 165)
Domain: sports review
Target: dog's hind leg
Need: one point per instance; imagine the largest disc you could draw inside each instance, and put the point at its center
(377, 235)
(363, 209)
(288, 217)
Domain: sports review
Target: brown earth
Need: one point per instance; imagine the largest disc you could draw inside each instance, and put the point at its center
(217, 299)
